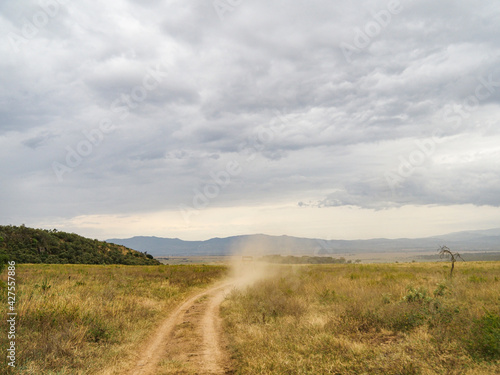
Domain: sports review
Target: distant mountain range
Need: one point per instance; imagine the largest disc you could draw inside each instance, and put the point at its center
(261, 244)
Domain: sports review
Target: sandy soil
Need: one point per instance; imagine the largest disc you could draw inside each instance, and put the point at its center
(189, 340)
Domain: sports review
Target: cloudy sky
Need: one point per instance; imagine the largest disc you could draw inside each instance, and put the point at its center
(196, 119)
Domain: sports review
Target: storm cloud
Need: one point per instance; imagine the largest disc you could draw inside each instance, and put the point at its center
(127, 107)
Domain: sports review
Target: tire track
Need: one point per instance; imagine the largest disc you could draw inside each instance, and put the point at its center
(189, 338)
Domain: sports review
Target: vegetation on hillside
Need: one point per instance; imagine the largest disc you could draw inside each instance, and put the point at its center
(28, 245)
(368, 319)
(92, 319)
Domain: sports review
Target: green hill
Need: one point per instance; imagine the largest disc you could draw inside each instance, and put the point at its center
(28, 245)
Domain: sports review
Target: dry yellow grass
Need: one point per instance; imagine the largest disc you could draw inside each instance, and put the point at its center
(368, 319)
(79, 319)
(318, 319)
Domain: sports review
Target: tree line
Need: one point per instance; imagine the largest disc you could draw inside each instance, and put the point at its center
(290, 259)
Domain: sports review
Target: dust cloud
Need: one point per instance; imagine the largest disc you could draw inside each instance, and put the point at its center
(246, 269)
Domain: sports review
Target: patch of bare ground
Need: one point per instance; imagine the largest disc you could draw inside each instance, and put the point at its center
(190, 340)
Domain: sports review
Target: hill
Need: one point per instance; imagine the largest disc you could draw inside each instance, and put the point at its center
(28, 245)
(260, 244)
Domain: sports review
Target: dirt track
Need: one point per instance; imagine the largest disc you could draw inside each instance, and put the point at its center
(189, 340)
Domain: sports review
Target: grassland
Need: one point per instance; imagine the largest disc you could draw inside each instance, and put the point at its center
(368, 319)
(81, 319)
(301, 319)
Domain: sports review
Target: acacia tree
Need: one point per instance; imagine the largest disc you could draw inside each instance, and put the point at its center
(445, 252)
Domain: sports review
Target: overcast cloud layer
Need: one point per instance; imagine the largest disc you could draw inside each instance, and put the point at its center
(131, 108)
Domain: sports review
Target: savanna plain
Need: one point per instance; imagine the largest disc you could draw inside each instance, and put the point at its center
(405, 318)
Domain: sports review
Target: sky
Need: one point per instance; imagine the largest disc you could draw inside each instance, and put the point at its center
(212, 118)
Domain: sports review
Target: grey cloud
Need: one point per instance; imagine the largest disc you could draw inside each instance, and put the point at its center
(267, 86)
(39, 140)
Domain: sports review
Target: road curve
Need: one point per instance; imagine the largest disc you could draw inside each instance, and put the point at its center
(189, 338)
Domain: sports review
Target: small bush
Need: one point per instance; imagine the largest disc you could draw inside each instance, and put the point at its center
(407, 319)
(441, 290)
(386, 298)
(45, 285)
(477, 279)
(485, 337)
(419, 295)
(99, 331)
(327, 296)
(358, 319)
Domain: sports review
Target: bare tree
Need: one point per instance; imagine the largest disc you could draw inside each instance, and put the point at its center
(445, 252)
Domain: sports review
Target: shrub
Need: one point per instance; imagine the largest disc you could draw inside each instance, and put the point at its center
(419, 295)
(327, 296)
(485, 337)
(358, 319)
(477, 279)
(406, 318)
(98, 331)
(441, 290)
(414, 310)
(386, 298)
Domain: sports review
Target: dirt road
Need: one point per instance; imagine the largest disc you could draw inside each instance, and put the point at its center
(190, 340)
